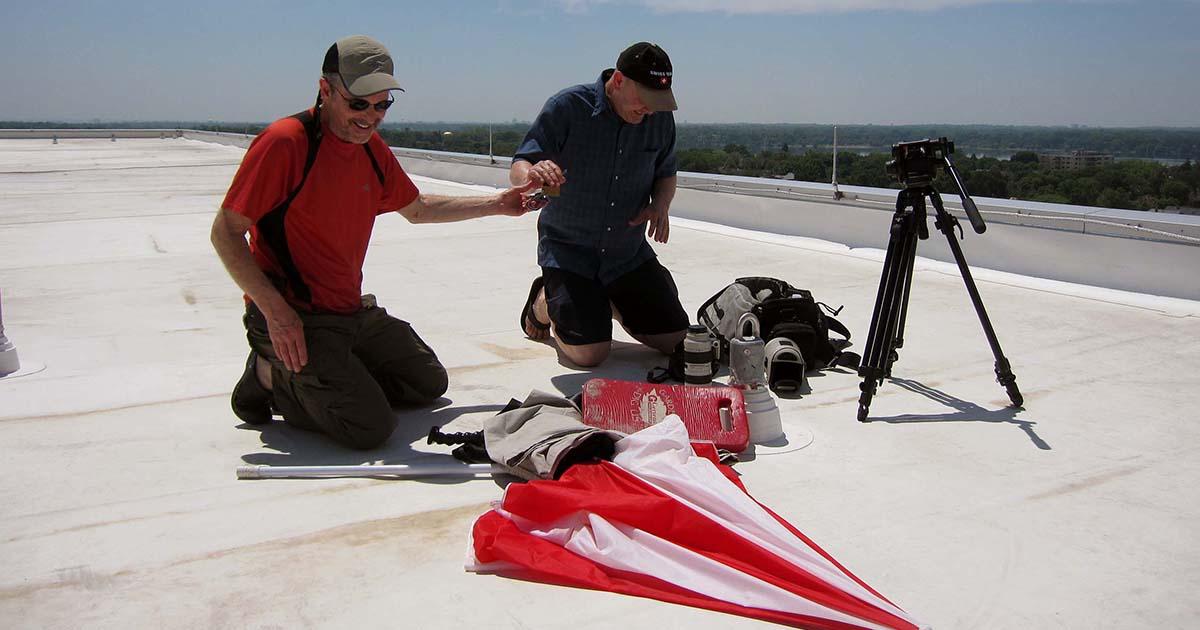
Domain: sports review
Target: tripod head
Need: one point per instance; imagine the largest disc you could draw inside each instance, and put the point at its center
(916, 163)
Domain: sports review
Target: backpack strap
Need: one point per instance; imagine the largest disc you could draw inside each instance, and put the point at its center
(374, 163)
(272, 225)
(846, 359)
(312, 130)
(842, 357)
(702, 315)
(837, 327)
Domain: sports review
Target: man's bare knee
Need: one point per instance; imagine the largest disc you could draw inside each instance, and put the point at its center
(588, 355)
(664, 343)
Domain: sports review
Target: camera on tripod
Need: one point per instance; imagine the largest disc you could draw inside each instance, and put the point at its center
(916, 163)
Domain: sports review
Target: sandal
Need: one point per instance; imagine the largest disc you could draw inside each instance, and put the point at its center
(527, 315)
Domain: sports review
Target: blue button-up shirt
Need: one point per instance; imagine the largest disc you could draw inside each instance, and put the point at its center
(611, 167)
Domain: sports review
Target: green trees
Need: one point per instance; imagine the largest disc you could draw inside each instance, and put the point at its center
(989, 183)
(1176, 192)
(1149, 142)
(804, 152)
(800, 150)
(779, 150)
(1129, 184)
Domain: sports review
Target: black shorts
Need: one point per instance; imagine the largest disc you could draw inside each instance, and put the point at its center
(646, 297)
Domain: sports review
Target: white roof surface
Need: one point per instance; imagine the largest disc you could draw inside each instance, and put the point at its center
(119, 506)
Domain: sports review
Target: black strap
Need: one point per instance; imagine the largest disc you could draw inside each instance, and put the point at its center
(846, 359)
(271, 225)
(659, 375)
(837, 327)
(374, 163)
(312, 130)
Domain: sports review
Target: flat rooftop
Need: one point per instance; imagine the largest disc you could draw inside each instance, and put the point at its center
(119, 505)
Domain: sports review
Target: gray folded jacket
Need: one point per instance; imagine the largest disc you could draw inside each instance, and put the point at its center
(543, 437)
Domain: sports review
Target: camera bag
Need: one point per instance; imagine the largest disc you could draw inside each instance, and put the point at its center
(782, 311)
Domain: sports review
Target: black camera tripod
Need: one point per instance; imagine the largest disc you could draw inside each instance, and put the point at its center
(915, 164)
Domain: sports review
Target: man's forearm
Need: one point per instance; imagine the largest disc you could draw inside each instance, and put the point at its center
(239, 262)
(443, 209)
(664, 191)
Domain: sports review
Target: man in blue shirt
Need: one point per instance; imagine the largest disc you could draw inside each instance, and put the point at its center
(605, 154)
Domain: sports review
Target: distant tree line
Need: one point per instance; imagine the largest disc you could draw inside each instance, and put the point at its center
(801, 152)
(996, 140)
(1131, 184)
(505, 139)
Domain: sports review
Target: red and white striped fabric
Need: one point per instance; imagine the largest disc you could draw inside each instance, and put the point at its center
(663, 522)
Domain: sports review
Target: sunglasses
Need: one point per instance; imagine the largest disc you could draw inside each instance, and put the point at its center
(361, 104)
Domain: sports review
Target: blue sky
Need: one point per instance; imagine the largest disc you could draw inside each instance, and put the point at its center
(1089, 62)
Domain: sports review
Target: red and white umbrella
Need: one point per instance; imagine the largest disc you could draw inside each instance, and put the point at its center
(664, 522)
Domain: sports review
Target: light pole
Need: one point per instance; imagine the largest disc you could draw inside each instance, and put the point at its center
(837, 194)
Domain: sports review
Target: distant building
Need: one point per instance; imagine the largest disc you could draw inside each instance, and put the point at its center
(1074, 160)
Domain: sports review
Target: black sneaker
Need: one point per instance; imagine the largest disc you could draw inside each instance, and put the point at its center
(251, 402)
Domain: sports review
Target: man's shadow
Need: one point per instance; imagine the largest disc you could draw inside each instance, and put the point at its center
(966, 412)
(285, 445)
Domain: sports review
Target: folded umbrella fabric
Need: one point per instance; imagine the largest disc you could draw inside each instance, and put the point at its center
(662, 522)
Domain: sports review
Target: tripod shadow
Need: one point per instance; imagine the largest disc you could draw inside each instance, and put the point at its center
(966, 412)
(285, 445)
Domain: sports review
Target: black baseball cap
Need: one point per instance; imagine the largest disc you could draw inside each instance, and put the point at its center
(650, 68)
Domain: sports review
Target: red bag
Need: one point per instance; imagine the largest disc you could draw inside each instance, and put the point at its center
(715, 414)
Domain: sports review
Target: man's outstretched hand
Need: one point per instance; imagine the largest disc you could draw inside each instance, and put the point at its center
(513, 202)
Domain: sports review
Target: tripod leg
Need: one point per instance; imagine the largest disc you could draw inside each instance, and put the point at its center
(946, 224)
(909, 258)
(891, 299)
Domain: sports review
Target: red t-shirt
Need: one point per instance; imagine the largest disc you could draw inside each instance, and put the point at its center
(327, 225)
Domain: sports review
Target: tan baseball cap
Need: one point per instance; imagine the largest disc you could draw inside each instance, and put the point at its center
(363, 63)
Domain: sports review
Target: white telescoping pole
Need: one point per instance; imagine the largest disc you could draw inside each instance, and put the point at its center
(402, 471)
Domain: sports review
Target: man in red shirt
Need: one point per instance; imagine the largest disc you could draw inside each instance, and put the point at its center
(323, 355)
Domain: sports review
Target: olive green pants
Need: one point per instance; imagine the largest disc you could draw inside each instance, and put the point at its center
(359, 367)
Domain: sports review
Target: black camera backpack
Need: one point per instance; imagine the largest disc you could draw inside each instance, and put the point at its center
(782, 311)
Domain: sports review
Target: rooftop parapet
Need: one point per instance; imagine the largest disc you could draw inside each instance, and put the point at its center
(1130, 250)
